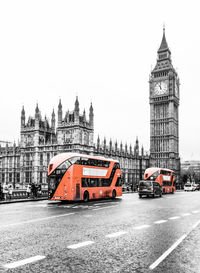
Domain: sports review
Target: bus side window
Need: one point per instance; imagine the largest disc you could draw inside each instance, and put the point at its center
(84, 161)
(93, 182)
(84, 182)
(100, 182)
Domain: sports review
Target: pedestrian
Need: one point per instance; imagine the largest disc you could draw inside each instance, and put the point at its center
(34, 190)
(39, 188)
(5, 191)
(10, 191)
(132, 187)
(28, 190)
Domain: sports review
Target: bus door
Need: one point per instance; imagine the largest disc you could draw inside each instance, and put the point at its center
(77, 188)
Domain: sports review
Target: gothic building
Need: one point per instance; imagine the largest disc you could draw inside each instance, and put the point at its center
(164, 111)
(40, 140)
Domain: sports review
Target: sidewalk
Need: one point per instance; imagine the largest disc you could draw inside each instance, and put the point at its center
(8, 201)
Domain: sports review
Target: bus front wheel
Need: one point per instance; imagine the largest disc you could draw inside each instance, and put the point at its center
(113, 194)
(86, 196)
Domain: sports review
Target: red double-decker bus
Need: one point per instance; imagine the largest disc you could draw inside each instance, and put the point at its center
(165, 177)
(73, 176)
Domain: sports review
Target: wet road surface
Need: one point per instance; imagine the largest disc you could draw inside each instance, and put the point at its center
(127, 234)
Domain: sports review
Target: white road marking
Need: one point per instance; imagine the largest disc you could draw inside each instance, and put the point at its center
(25, 261)
(195, 211)
(160, 221)
(174, 217)
(116, 234)
(87, 215)
(186, 214)
(36, 220)
(105, 207)
(141, 227)
(86, 243)
(96, 204)
(195, 225)
(82, 207)
(167, 252)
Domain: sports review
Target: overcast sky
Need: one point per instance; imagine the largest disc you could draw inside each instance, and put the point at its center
(102, 51)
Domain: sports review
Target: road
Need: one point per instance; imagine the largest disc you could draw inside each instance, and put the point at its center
(127, 234)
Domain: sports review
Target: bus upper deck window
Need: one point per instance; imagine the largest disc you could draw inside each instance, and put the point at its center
(64, 166)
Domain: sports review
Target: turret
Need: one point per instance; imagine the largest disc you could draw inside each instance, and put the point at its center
(136, 148)
(37, 112)
(59, 113)
(22, 117)
(116, 148)
(53, 121)
(84, 117)
(126, 150)
(104, 144)
(121, 147)
(37, 117)
(142, 151)
(76, 111)
(91, 116)
(98, 143)
(110, 145)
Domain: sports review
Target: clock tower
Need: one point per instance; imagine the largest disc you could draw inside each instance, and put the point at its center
(164, 111)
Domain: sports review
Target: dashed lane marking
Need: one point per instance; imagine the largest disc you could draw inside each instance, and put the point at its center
(36, 220)
(25, 261)
(86, 243)
(160, 221)
(195, 211)
(185, 214)
(97, 204)
(174, 217)
(116, 234)
(106, 207)
(142, 227)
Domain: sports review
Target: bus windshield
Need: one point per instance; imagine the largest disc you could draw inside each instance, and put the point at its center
(56, 176)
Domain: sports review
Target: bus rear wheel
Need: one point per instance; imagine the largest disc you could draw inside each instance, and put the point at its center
(113, 194)
(86, 196)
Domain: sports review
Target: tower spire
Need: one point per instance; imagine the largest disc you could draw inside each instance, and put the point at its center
(163, 45)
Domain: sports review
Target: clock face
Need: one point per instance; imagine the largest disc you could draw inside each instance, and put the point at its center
(160, 88)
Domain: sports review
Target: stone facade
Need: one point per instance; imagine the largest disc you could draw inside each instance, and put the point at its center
(40, 140)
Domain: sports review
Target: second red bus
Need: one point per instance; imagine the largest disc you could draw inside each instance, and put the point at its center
(165, 177)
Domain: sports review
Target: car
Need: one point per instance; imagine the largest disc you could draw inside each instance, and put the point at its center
(189, 187)
(197, 187)
(149, 188)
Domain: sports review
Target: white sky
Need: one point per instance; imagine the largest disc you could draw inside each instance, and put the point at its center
(103, 52)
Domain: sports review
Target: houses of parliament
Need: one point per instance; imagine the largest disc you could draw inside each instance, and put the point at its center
(74, 132)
